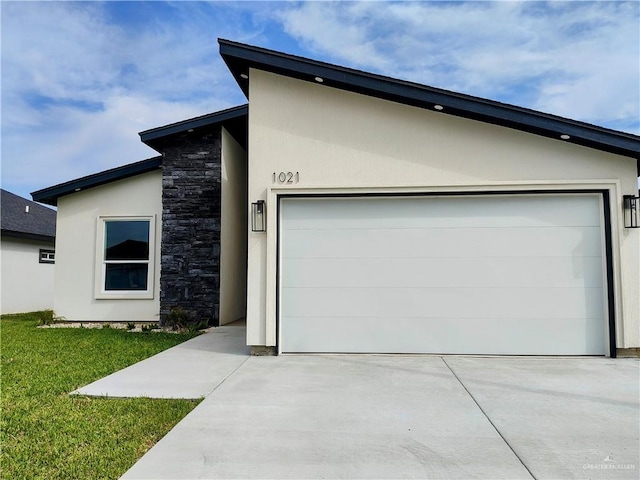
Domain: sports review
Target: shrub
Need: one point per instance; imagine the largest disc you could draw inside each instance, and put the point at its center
(44, 317)
(178, 318)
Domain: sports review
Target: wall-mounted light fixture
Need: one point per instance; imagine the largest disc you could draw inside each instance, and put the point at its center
(258, 216)
(630, 211)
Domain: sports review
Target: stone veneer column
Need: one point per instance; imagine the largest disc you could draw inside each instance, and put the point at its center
(191, 198)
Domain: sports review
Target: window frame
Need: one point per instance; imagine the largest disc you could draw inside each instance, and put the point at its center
(48, 252)
(101, 263)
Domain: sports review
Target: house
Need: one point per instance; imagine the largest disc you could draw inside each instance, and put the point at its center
(27, 254)
(379, 215)
(173, 204)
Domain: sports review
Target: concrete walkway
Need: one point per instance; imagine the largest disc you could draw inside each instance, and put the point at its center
(376, 416)
(190, 370)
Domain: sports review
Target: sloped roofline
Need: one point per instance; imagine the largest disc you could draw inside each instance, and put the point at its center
(241, 57)
(22, 218)
(50, 195)
(156, 137)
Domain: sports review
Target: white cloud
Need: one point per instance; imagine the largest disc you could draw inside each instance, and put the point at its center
(78, 84)
(75, 143)
(575, 59)
(59, 50)
(80, 79)
(322, 27)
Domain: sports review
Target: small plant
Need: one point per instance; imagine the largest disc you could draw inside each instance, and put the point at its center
(181, 320)
(178, 318)
(44, 317)
(154, 326)
(106, 325)
(195, 327)
(131, 325)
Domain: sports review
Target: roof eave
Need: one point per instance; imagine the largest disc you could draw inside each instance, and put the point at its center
(156, 138)
(239, 58)
(50, 195)
(28, 236)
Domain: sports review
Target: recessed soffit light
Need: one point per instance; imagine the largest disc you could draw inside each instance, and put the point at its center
(244, 75)
(190, 130)
(319, 79)
(438, 107)
(565, 136)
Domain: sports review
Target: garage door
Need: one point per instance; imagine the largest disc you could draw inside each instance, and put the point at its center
(502, 274)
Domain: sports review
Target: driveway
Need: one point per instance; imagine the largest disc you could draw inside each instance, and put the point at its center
(377, 416)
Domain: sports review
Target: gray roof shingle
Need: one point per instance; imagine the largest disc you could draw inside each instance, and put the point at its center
(39, 222)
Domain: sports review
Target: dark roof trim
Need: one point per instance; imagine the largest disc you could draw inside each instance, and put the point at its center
(156, 136)
(240, 57)
(50, 195)
(29, 236)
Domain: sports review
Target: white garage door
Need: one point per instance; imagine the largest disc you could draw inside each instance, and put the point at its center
(500, 274)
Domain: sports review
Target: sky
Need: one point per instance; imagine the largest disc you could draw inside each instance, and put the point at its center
(81, 79)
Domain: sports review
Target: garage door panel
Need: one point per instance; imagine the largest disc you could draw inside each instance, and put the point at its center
(512, 272)
(440, 335)
(449, 242)
(447, 212)
(499, 274)
(511, 303)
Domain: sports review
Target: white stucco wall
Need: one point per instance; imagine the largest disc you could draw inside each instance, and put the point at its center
(74, 292)
(25, 283)
(233, 236)
(340, 141)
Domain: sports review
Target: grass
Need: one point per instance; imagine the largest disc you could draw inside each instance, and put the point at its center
(45, 433)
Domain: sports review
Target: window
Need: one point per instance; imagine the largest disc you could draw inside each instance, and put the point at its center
(125, 255)
(47, 256)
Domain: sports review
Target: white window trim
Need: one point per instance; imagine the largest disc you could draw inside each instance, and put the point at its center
(47, 256)
(100, 263)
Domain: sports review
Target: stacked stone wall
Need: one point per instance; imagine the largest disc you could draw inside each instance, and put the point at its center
(191, 201)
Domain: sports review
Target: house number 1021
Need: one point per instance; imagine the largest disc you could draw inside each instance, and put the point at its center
(286, 177)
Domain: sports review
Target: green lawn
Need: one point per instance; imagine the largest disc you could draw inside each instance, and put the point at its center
(47, 434)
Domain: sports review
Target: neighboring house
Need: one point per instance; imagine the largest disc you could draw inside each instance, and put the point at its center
(27, 254)
(372, 214)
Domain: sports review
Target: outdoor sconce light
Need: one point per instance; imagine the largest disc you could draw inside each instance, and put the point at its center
(630, 211)
(258, 216)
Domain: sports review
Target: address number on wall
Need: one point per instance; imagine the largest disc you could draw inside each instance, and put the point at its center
(286, 177)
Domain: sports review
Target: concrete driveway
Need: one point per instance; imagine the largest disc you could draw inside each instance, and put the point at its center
(376, 416)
